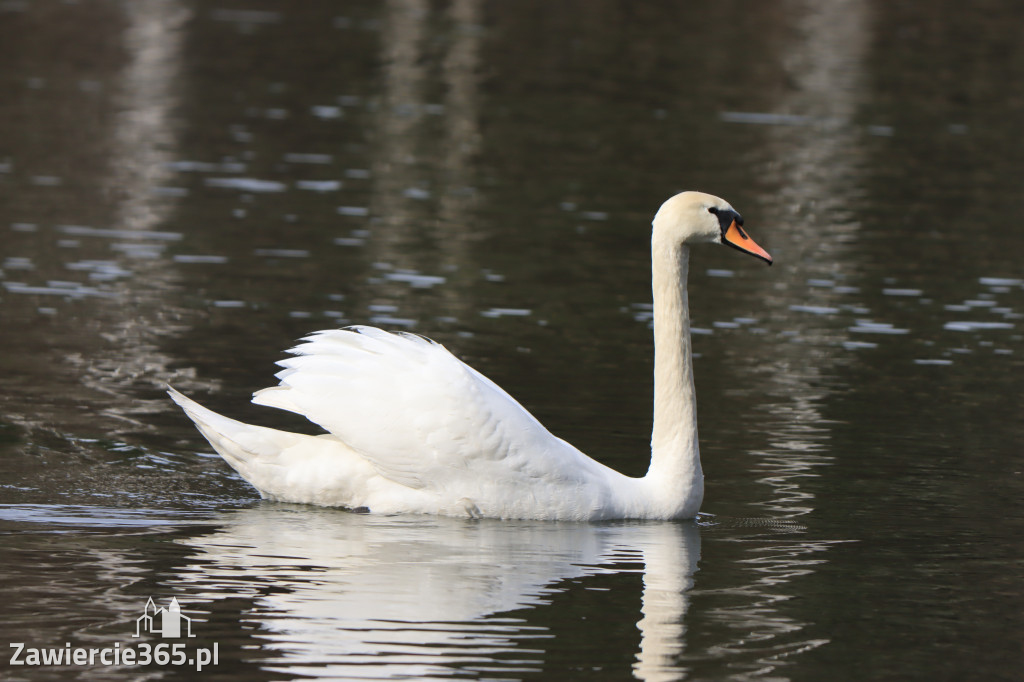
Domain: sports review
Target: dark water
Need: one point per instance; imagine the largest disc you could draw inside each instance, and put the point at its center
(186, 188)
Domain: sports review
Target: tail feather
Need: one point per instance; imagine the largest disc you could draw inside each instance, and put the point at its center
(244, 446)
(283, 466)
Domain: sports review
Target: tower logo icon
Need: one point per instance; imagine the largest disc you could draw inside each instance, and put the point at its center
(166, 622)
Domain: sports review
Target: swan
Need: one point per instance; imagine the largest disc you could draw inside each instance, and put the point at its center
(412, 429)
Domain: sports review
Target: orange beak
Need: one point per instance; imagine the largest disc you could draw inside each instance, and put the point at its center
(738, 239)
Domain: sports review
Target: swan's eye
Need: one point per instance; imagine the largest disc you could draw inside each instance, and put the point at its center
(725, 217)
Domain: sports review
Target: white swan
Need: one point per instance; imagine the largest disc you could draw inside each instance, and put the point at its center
(412, 429)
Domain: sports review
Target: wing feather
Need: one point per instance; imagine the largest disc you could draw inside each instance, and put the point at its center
(419, 415)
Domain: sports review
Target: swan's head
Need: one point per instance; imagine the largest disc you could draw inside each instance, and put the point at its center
(694, 217)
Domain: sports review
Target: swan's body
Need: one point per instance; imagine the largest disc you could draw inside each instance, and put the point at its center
(412, 429)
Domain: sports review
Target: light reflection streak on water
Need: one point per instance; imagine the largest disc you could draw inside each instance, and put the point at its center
(798, 448)
(765, 638)
(144, 138)
(814, 165)
(402, 201)
(126, 298)
(89, 515)
(114, 320)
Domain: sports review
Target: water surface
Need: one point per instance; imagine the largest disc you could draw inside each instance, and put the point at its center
(187, 189)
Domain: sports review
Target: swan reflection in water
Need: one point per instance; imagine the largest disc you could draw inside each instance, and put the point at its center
(342, 594)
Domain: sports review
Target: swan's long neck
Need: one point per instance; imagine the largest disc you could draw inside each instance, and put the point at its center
(675, 470)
